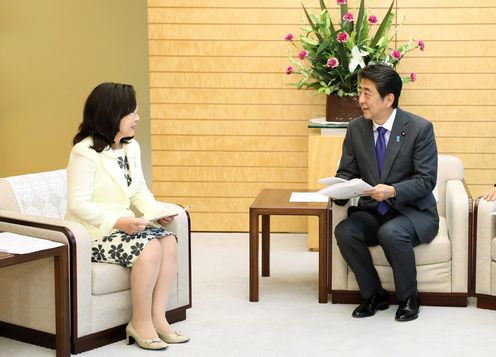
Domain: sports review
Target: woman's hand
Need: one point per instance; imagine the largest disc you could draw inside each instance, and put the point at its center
(131, 225)
(490, 195)
(166, 220)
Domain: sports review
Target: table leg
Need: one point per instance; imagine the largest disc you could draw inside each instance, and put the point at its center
(329, 250)
(323, 228)
(265, 245)
(61, 304)
(253, 256)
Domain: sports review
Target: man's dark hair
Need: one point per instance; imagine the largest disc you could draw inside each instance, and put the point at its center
(385, 78)
(106, 105)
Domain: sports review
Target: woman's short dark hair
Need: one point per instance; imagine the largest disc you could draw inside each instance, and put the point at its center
(385, 78)
(106, 105)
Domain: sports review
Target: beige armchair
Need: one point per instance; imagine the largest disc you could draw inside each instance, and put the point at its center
(100, 301)
(442, 266)
(485, 254)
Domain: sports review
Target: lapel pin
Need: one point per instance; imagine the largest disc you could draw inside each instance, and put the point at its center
(397, 138)
(403, 133)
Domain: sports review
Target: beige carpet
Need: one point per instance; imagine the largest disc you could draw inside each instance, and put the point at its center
(288, 320)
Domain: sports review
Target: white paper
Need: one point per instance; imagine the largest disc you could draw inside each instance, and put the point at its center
(345, 190)
(166, 212)
(331, 180)
(19, 244)
(307, 197)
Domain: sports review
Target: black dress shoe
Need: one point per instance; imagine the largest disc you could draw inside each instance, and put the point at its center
(408, 309)
(368, 307)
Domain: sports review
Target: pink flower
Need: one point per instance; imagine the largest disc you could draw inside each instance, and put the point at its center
(372, 19)
(413, 77)
(332, 62)
(289, 70)
(341, 2)
(289, 37)
(396, 55)
(303, 54)
(421, 45)
(342, 37)
(348, 17)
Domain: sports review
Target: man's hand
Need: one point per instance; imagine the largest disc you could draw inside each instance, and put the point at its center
(381, 192)
(131, 225)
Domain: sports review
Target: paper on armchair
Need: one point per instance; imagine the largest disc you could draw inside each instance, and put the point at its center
(341, 189)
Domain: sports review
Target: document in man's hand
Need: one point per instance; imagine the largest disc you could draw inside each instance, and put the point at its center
(341, 189)
(166, 212)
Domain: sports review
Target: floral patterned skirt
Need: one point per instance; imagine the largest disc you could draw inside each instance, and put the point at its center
(122, 248)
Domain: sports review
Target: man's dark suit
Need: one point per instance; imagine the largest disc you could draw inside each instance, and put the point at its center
(410, 165)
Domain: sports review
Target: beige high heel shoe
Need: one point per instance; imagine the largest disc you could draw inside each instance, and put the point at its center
(173, 337)
(149, 344)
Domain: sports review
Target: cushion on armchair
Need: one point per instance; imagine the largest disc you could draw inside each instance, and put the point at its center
(42, 194)
(438, 251)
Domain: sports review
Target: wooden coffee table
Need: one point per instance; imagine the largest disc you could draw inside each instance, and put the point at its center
(276, 202)
(59, 254)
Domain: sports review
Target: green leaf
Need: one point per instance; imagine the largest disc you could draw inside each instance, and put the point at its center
(307, 29)
(344, 9)
(301, 82)
(329, 24)
(312, 24)
(345, 25)
(385, 25)
(322, 47)
(322, 5)
(310, 41)
(343, 55)
(359, 22)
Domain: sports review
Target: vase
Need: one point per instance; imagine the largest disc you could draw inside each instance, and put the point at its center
(342, 109)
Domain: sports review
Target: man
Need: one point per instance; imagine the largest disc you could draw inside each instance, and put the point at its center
(394, 151)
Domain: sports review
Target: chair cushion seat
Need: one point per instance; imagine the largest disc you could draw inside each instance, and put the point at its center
(438, 251)
(109, 278)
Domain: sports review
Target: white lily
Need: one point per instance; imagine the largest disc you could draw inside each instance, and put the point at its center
(357, 58)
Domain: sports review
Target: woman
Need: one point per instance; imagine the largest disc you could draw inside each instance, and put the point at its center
(105, 179)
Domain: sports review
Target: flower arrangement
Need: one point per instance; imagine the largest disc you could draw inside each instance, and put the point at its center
(331, 56)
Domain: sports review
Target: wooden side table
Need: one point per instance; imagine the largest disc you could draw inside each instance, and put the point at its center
(61, 279)
(276, 202)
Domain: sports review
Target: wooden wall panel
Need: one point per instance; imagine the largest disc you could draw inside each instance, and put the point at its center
(228, 143)
(456, 79)
(237, 96)
(219, 189)
(225, 123)
(235, 111)
(233, 127)
(231, 174)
